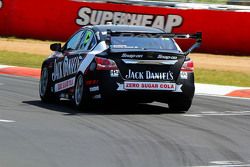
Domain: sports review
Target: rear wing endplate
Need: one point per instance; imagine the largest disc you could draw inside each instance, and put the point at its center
(197, 36)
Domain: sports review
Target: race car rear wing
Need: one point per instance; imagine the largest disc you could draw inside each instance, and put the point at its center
(197, 36)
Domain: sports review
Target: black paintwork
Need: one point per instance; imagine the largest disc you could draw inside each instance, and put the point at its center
(107, 84)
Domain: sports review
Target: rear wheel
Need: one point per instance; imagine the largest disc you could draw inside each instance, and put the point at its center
(44, 87)
(179, 104)
(81, 95)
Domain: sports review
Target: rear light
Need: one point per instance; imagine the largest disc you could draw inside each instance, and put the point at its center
(188, 66)
(105, 64)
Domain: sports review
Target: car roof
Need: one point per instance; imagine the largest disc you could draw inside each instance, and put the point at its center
(127, 28)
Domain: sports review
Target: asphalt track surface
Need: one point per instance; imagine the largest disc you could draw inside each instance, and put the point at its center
(215, 132)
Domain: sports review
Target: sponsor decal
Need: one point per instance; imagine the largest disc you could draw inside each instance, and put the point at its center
(94, 89)
(88, 16)
(167, 57)
(1, 4)
(149, 85)
(65, 67)
(184, 75)
(120, 87)
(120, 46)
(148, 62)
(178, 88)
(148, 75)
(114, 73)
(65, 84)
(97, 96)
(124, 55)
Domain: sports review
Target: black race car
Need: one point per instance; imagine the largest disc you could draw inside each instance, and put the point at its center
(111, 63)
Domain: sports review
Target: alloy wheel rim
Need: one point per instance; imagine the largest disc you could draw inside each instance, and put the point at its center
(79, 90)
(43, 82)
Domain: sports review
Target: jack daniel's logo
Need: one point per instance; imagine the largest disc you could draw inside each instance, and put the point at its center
(148, 75)
(65, 67)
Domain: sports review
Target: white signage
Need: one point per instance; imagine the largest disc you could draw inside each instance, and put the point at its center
(65, 84)
(149, 85)
(149, 75)
(184, 75)
(125, 55)
(65, 67)
(88, 16)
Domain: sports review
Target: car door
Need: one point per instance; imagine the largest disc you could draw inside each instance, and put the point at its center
(67, 63)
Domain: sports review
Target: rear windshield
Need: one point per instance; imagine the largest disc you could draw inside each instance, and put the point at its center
(143, 43)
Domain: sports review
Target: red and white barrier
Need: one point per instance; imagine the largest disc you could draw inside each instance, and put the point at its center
(200, 89)
(224, 32)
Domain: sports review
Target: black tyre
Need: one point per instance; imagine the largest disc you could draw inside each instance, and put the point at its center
(44, 87)
(179, 104)
(81, 94)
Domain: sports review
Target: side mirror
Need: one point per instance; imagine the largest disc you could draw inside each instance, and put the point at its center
(107, 41)
(56, 47)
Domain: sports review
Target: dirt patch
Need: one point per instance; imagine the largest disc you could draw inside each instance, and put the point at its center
(221, 62)
(205, 61)
(25, 46)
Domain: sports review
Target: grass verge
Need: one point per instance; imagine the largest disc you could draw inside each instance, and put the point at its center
(21, 59)
(222, 77)
(201, 75)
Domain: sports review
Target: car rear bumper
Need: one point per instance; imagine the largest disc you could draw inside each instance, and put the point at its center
(111, 88)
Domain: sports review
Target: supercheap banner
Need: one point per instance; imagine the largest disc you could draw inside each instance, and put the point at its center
(224, 32)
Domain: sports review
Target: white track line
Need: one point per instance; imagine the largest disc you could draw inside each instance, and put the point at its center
(5, 66)
(230, 97)
(7, 121)
(244, 165)
(215, 113)
(216, 89)
(226, 164)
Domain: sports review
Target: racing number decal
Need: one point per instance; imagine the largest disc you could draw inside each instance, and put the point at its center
(86, 40)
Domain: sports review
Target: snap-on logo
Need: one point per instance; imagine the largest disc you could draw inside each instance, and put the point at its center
(88, 16)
